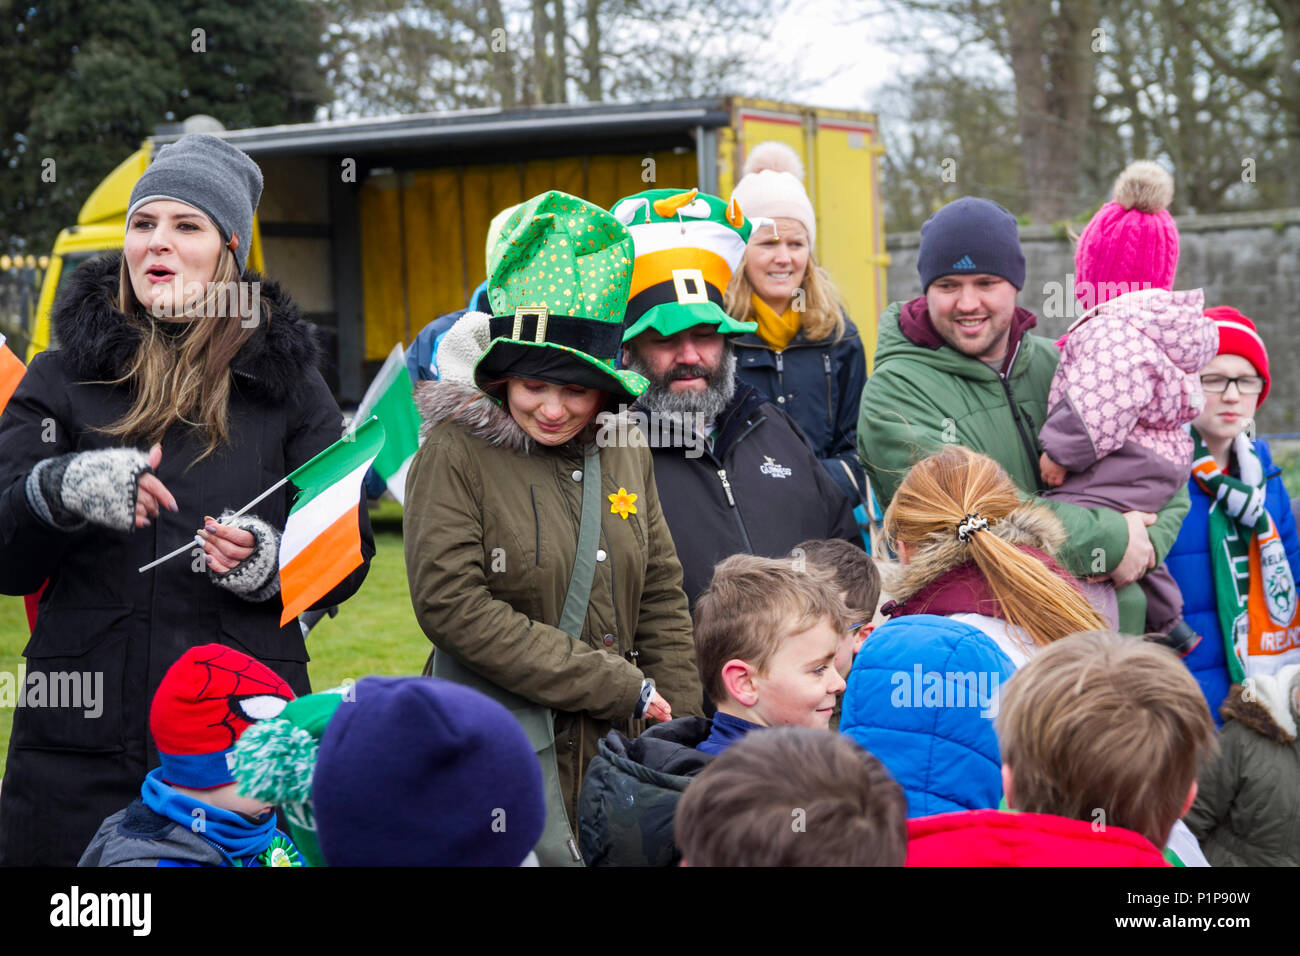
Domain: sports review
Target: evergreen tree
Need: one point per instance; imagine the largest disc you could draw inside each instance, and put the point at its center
(87, 82)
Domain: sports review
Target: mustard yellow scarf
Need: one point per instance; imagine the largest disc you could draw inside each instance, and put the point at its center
(776, 331)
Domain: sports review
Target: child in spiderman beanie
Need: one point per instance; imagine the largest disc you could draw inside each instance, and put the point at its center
(189, 812)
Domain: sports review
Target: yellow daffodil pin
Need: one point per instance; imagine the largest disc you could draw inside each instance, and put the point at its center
(623, 503)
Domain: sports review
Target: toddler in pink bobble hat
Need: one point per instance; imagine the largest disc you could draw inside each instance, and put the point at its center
(1128, 383)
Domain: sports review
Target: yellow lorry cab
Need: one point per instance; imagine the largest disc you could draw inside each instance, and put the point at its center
(376, 226)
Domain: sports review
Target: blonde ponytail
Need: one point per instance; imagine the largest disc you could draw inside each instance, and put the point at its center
(939, 513)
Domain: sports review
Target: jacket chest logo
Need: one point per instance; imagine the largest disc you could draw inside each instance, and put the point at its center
(774, 470)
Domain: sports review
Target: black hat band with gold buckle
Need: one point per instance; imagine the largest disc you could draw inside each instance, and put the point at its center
(537, 324)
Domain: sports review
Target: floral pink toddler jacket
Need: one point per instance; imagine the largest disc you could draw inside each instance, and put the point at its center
(1127, 384)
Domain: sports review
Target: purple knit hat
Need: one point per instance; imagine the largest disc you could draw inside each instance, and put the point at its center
(1132, 242)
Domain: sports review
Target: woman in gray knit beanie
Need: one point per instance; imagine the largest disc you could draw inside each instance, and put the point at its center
(183, 387)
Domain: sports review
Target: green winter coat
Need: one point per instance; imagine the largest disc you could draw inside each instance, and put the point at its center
(491, 533)
(918, 399)
(1247, 809)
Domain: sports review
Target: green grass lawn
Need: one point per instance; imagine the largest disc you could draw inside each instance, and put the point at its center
(375, 631)
(1286, 454)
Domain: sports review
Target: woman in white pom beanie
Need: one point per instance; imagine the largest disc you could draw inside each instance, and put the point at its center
(806, 355)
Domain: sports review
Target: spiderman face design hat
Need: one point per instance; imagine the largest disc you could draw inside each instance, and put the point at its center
(205, 701)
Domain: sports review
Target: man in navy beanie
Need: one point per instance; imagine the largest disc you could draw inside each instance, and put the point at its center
(957, 365)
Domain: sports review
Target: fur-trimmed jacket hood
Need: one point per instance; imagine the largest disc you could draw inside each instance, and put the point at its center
(1247, 808)
(1266, 704)
(98, 342)
(474, 410)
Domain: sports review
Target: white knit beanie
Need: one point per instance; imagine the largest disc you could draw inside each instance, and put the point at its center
(772, 187)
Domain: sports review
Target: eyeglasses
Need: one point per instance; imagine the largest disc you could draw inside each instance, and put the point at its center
(1246, 384)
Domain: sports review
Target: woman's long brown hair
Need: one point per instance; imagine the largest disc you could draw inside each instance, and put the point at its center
(937, 495)
(185, 379)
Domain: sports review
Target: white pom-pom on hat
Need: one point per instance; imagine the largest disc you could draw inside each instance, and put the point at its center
(776, 156)
(771, 187)
(1145, 186)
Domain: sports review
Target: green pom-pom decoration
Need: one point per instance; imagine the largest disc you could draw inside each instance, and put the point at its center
(274, 761)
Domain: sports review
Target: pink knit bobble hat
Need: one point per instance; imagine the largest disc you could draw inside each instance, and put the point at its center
(1132, 242)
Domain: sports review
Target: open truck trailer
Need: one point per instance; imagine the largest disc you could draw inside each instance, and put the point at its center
(376, 226)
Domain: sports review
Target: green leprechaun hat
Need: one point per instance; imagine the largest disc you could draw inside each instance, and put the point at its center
(688, 244)
(558, 280)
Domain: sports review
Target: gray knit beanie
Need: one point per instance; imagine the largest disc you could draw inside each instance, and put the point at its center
(211, 175)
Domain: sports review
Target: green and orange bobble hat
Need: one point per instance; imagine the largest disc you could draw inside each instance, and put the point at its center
(558, 280)
(687, 245)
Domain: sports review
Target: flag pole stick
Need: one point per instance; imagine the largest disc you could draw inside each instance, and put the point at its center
(350, 435)
(279, 484)
(199, 541)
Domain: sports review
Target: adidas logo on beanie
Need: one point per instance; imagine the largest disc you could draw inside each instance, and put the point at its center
(968, 231)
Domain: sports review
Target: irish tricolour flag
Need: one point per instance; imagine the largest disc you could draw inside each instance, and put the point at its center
(11, 370)
(322, 538)
(389, 398)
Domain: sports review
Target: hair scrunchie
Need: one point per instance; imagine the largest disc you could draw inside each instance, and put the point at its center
(969, 525)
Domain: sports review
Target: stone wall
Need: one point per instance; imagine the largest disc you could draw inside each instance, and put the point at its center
(1250, 261)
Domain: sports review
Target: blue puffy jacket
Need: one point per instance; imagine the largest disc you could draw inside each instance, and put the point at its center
(1189, 562)
(918, 698)
(819, 385)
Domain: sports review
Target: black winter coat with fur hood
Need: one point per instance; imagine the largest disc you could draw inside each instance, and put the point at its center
(70, 766)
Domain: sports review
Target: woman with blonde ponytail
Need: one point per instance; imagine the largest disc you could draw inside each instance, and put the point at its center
(999, 574)
(976, 591)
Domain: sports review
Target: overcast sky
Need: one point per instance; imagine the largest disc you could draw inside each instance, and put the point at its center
(847, 55)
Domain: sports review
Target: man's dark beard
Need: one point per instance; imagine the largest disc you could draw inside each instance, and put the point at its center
(720, 387)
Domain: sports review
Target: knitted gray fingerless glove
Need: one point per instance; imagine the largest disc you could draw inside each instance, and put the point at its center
(257, 577)
(89, 486)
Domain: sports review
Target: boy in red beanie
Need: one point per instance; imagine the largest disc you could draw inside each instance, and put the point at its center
(1237, 555)
(190, 812)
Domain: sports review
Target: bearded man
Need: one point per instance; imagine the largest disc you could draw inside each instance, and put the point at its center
(735, 474)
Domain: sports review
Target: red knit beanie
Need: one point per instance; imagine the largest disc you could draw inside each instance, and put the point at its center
(1237, 336)
(205, 701)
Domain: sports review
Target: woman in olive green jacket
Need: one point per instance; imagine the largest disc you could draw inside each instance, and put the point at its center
(495, 495)
(1247, 808)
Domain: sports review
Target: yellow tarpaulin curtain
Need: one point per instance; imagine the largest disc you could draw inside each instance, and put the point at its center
(422, 233)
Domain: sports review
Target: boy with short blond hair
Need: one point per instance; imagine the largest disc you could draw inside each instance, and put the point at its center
(766, 634)
(793, 797)
(766, 637)
(1102, 739)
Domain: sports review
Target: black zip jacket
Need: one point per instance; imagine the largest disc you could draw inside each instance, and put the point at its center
(819, 385)
(759, 490)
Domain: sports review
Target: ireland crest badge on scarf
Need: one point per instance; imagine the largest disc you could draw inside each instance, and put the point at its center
(1274, 630)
